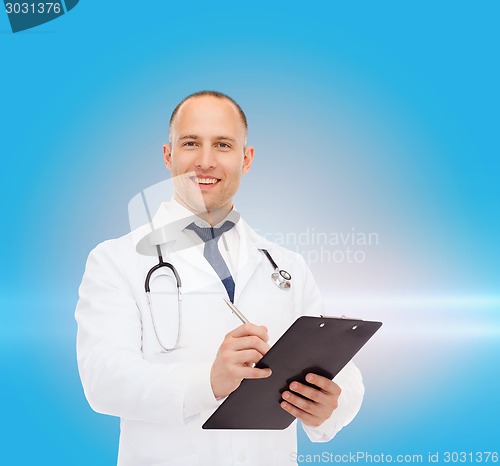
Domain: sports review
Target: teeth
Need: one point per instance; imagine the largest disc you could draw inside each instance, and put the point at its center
(205, 180)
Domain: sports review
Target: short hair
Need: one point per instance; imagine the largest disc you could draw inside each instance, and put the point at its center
(216, 94)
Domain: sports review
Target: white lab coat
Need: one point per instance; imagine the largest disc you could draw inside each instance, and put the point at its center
(164, 398)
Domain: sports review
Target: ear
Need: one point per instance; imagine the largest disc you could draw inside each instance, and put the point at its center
(167, 155)
(248, 158)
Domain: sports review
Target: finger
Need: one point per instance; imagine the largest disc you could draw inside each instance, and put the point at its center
(249, 342)
(303, 404)
(311, 393)
(250, 329)
(324, 383)
(248, 357)
(243, 372)
(306, 418)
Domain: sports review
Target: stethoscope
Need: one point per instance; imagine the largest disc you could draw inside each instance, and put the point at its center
(178, 282)
(281, 278)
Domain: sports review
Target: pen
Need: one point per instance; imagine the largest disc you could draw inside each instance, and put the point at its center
(237, 311)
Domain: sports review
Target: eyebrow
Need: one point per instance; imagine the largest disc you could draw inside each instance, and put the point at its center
(217, 138)
(225, 138)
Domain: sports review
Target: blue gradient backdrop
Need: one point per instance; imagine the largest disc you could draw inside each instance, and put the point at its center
(366, 116)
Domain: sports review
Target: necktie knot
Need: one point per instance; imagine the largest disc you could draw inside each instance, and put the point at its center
(209, 233)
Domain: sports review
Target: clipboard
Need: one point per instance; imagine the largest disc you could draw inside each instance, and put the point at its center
(322, 345)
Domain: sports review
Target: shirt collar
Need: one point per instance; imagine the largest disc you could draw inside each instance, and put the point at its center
(168, 226)
(232, 216)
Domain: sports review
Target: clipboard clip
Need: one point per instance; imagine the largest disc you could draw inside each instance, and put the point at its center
(341, 317)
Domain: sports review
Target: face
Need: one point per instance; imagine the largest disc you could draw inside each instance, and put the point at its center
(207, 154)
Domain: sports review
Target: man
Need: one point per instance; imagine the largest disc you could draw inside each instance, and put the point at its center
(164, 373)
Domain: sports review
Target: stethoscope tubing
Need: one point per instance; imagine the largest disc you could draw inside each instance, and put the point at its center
(280, 278)
(161, 264)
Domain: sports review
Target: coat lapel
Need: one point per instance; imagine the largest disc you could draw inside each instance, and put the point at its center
(198, 272)
(249, 257)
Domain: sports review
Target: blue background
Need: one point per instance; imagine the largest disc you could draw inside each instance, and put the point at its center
(374, 116)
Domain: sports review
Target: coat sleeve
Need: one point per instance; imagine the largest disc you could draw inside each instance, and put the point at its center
(348, 379)
(115, 377)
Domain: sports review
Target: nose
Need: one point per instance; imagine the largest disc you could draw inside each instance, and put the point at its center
(206, 158)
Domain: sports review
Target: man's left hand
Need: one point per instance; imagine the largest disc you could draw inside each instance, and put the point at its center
(321, 400)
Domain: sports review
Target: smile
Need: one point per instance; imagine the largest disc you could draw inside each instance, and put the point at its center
(205, 181)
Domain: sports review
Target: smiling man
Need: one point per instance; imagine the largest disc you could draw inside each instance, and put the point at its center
(207, 136)
(164, 368)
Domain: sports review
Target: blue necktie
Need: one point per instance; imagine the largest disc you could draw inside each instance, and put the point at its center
(210, 236)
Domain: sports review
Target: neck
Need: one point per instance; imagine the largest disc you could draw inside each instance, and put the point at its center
(213, 217)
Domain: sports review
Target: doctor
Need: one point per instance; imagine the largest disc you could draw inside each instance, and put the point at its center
(163, 365)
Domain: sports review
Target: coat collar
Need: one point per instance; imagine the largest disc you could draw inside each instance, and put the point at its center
(166, 230)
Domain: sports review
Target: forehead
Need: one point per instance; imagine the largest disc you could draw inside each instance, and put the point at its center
(206, 116)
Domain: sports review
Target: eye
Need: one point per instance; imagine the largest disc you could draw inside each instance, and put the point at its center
(223, 145)
(189, 144)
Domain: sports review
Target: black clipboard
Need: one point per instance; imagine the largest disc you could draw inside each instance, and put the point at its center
(323, 345)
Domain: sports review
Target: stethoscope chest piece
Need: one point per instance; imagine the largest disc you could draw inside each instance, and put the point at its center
(282, 279)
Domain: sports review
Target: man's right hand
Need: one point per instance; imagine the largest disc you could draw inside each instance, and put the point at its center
(236, 357)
